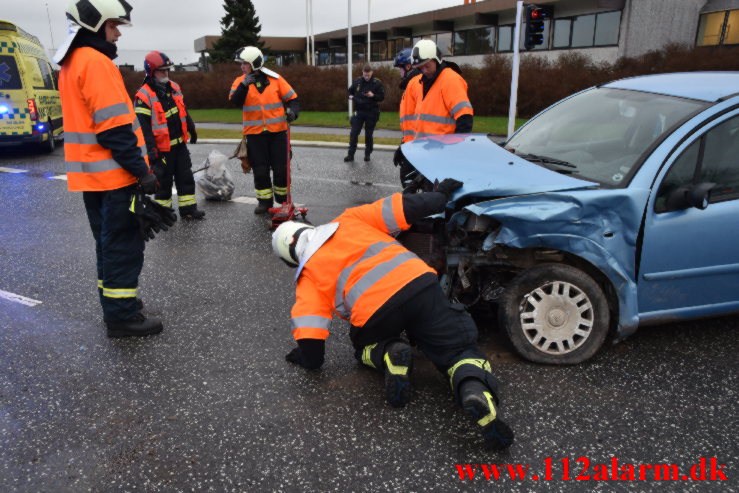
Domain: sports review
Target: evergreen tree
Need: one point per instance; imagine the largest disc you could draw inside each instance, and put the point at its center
(240, 28)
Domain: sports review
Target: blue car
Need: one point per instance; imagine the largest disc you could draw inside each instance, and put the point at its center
(614, 208)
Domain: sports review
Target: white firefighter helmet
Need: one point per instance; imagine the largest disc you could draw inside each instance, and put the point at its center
(92, 14)
(285, 241)
(424, 51)
(251, 55)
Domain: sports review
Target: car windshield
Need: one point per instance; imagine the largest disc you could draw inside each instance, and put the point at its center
(599, 135)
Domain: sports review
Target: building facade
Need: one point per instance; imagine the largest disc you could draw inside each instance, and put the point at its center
(602, 30)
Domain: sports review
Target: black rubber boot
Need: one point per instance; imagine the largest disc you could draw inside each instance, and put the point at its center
(263, 206)
(137, 326)
(140, 304)
(191, 212)
(398, 361)
(366, 158)
(479, 402)
(349, 159)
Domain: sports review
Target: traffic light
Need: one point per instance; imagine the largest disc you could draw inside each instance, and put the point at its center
(535, 16)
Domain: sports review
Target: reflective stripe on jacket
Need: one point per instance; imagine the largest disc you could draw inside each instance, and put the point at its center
(94, 99)
(356, 271)
(437, 112)
(265, 111)
(159, 117)
(407, 108)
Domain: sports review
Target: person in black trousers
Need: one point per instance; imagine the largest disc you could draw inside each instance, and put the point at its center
(367, 92)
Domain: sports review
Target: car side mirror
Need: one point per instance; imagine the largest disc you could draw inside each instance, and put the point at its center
(697, 196)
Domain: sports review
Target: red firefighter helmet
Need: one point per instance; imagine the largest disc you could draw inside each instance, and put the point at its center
(156, 60)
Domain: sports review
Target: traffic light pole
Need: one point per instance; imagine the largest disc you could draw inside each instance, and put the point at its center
(514, 71)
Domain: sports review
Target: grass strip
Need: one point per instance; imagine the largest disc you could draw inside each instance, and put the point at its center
(497, 125)
(216, 133)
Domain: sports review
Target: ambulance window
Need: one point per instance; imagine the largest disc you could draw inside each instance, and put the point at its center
(45, 74)
(9, 76)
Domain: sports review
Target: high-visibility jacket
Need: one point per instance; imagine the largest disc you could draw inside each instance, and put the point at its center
(356, 271)
(94, 99)
(407, 108)
(436, 112)
(159, 126)
(265, 111)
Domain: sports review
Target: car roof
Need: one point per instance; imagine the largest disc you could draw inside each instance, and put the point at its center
(705, 86)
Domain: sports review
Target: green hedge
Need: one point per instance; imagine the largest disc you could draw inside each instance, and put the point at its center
(541, 82)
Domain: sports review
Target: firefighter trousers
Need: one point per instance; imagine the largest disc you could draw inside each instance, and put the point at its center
(443, 331)
(268, 152)
(368, 119)
(119, 248)
(178, 169)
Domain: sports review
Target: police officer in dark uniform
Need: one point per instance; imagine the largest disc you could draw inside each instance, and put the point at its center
(367, 92)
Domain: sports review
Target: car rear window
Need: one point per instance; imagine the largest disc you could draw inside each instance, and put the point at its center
(9, 77)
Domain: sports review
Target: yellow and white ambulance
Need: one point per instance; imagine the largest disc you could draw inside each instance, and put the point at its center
(30, 107)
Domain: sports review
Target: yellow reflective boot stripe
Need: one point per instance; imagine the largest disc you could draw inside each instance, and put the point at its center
(366, 352)
(165, 203)
(264, 193)
(119, 293)
(395, 370)
(186, 200)
(486, 420)
(480, 363)
(100, 284)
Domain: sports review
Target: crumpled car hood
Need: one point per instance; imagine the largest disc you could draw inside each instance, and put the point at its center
(485, 168)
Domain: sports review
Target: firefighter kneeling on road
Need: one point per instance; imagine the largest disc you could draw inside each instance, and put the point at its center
(352, 266)
(263, 95)
(167, 127)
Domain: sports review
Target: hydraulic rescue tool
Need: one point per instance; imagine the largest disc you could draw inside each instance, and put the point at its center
(287, 210)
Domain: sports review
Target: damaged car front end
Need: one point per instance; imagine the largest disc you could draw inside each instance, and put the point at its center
(549, 228)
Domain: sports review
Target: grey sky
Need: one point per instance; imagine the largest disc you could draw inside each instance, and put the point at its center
(172, 25)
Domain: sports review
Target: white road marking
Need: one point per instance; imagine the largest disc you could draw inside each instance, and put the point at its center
(245, 200)
(59, 177)
(18, 298)
(13, 170)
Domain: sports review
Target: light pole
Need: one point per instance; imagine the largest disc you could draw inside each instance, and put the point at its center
(514, 72)
(369, 42)
(349, 51)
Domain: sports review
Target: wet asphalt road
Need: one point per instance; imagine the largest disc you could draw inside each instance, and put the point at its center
(211, 405)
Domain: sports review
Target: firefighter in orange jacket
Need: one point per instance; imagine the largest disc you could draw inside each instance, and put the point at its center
(354, 267)
(105, 156)
(434, 103)
(408, 74)
(167, 127)
(269, 104)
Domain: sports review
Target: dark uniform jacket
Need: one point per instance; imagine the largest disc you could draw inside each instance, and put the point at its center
(365, 103)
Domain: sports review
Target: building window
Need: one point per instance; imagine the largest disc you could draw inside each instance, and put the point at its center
(323, 58)
(587, 30)
(474, 41)
(338, 56)
(583, 30)
(718, 28)
(444, 43)
(607, 26)
(379, 50)
(505, 38)
(562, 29)
(358, 52)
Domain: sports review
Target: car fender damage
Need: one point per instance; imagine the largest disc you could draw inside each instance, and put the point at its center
(594, 225)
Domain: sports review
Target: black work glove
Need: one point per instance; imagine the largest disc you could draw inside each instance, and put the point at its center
(447, 186)
(148, 183)
(398, 157)
(167, 217)
(159, 168)
(308, 354)
(193, 136)
(148, 216)
(290, 115)
(249, 79)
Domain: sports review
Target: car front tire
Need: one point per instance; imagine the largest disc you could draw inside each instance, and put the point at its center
(555, 314)
(49, 145)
